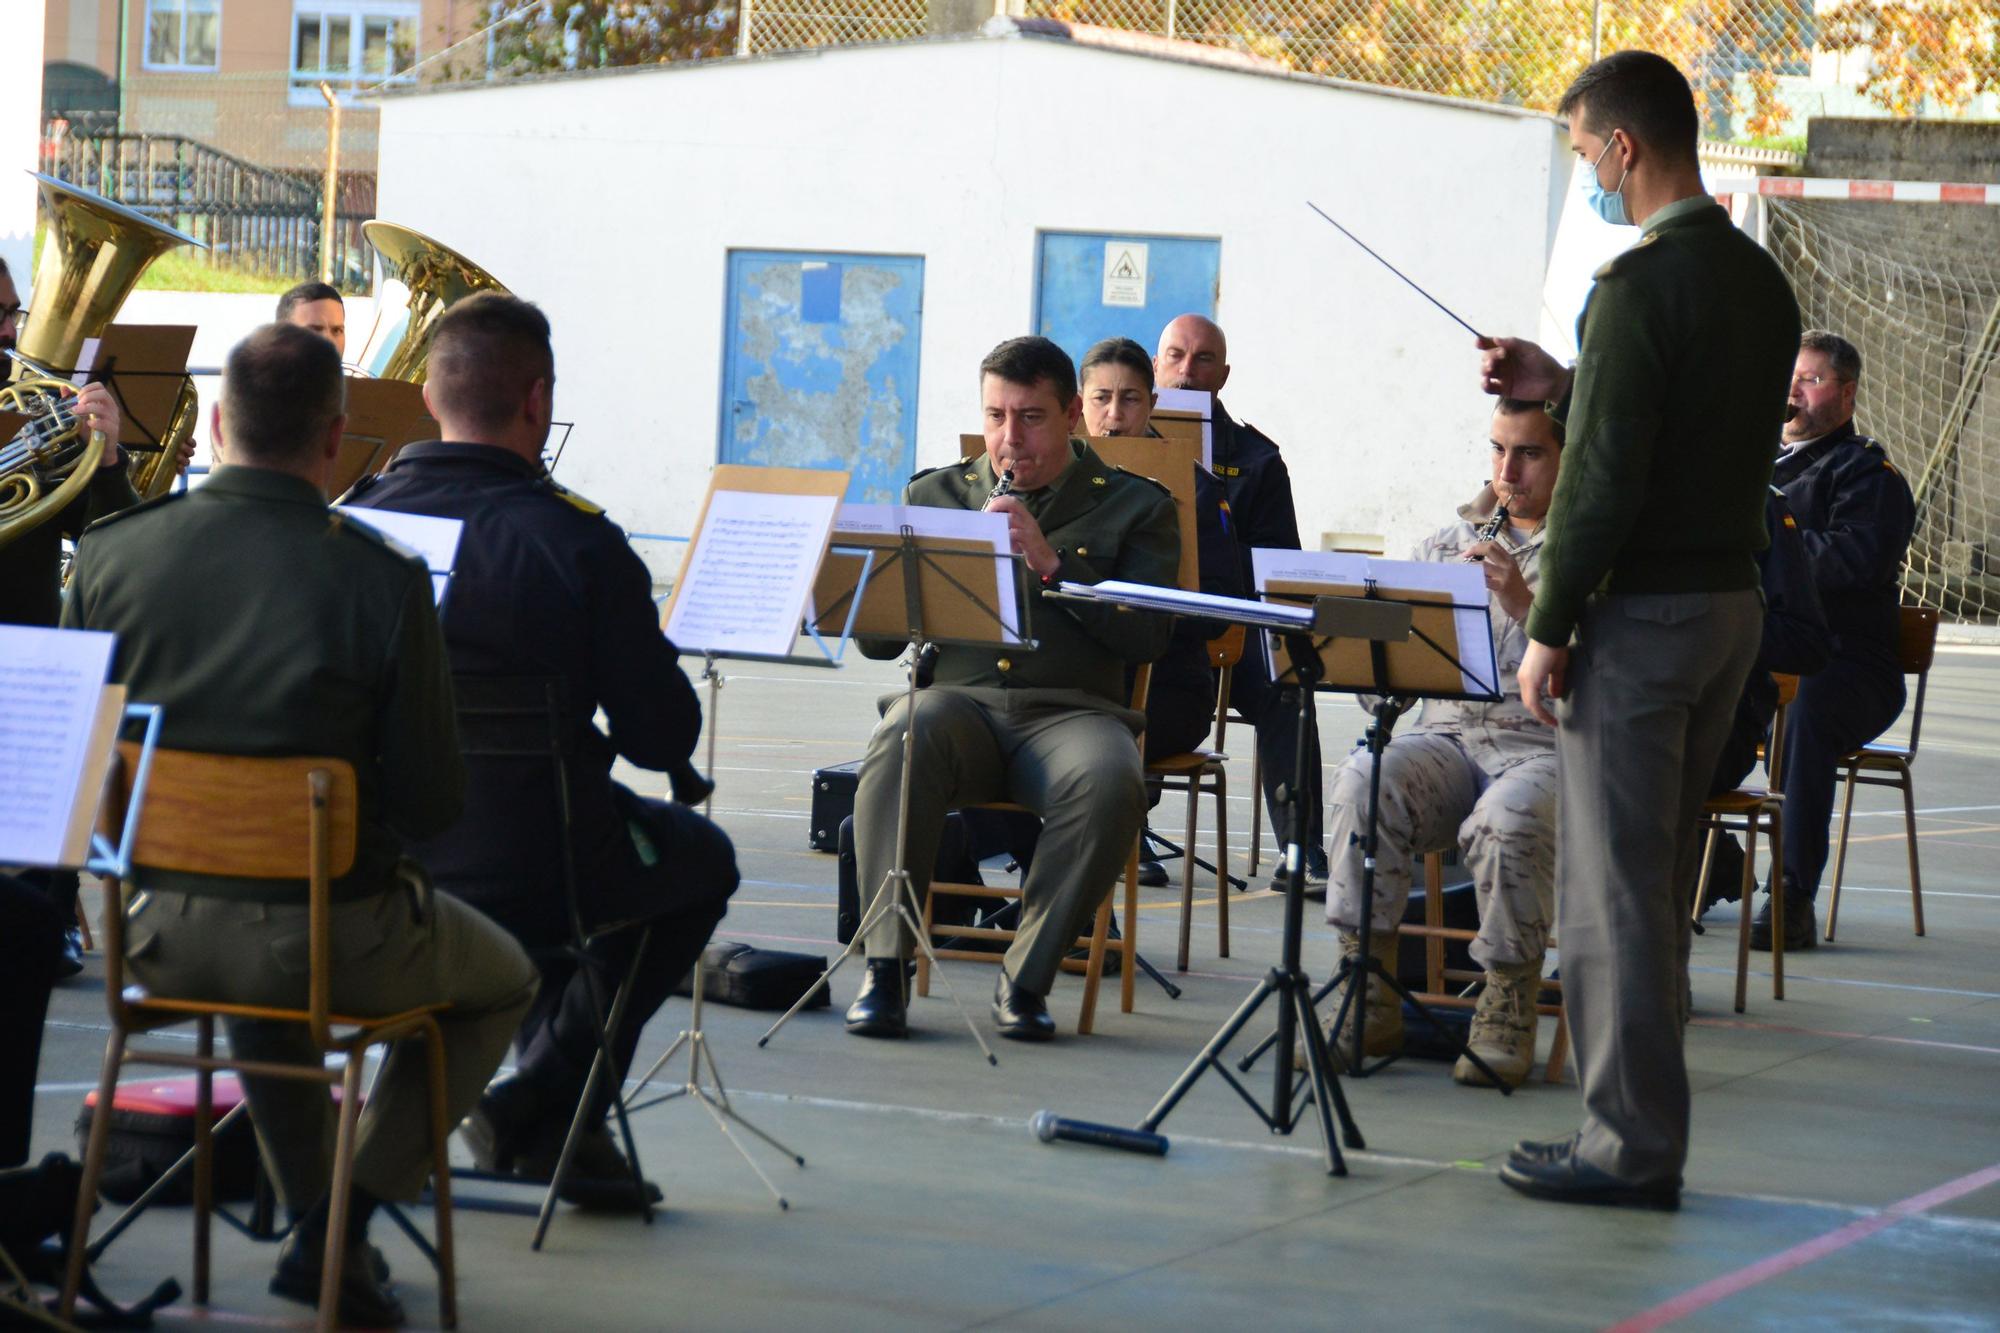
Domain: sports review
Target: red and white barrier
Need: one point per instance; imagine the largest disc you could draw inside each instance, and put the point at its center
(1827, 187)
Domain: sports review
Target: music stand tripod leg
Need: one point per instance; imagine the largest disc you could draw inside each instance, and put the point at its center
(896, 893)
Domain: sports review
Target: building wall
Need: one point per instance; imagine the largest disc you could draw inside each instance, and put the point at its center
(20, 121)
(244, 106)
(614, 201)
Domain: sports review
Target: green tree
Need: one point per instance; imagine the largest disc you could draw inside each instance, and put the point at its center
(1940, 52)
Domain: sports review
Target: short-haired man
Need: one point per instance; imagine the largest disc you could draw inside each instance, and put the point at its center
(1194, 354)
(316, 306)
(264, 624)
(1684, 348)
(1855, 516)
(1477, 776)
(1047, 729)
(546, 586)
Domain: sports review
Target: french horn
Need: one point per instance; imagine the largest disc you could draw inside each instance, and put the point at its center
(92, 258)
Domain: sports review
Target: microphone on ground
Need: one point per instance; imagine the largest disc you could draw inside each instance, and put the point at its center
(1049, 1127)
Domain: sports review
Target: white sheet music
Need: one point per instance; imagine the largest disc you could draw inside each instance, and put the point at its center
(1465, 583)
(936, 521)
(51, 683)
(1199, 401)
(750, 572)
(432, 539)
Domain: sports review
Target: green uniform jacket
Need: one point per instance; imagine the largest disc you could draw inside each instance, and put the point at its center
(264, 623)
(31, 564)
(1106, 523)
(1686, 348)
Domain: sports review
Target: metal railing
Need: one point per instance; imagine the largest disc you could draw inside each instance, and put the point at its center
(255, 219)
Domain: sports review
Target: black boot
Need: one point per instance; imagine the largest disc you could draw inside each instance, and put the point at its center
(1019, 1013)
(880, 1010)
(1801, 927)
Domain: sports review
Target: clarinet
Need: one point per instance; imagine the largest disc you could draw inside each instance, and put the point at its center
(1006, 486)
(1492, 526)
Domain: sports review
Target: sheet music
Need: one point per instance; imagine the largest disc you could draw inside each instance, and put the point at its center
(1201, 402)
(750, 572)
(51, 686)
(1464, 583)
(432, 539)
(934, 521)
(1151, 597)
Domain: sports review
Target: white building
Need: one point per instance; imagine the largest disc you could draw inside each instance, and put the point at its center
(1006, 165)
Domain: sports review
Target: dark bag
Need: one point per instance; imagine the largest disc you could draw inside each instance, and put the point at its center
(152, 1127)
(37, 1212)
(737, 974)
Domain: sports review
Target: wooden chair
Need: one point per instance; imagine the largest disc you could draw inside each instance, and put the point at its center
(1888, 765)
(1095, 944)
(1754, 810)
(288, 818)
(1198, 773)
(1438, 978)
(1224, 715)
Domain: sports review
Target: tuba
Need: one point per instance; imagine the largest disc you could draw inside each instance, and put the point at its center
(93, 256)
(425, 280)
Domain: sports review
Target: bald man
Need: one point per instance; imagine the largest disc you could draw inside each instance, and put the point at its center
(1194, 354)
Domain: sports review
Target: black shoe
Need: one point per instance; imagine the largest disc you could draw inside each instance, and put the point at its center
(880, 1009)
(600, 1176)
(1566, 1178)
(70, 963)
(1314, 888)
(1019, 1013)
(1801, 925)
(365, 1302)
(1152, 874)
(1541, 1151)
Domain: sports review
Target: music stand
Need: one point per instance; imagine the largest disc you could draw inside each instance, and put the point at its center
(382, 417)
(940, 609)
(1342, 618)
(1426, 665)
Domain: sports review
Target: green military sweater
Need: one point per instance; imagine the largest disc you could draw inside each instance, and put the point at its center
(264, 623)
(1686, 348)
(1105, 523)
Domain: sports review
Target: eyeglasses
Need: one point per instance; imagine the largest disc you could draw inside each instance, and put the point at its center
(1814, 381)
(14, 311)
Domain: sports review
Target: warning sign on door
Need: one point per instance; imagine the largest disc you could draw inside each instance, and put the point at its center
(1124, 273)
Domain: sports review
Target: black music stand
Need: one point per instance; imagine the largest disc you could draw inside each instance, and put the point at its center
(939, 610)
(1394, 681)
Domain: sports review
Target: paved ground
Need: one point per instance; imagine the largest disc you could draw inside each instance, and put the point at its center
(1846, 1168)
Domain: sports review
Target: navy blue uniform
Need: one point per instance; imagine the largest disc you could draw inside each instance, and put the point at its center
(1259, 490)
(545, 585)
(1855, 516)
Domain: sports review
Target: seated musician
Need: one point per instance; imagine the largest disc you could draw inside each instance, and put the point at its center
(1048, 728)
(545, 585)
(263, 624)
(1478, 776)
(316, 306)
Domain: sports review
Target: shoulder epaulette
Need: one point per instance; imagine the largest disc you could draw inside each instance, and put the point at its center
(1611, 265)
(129, 510)
(571, 498)
(1160, 486)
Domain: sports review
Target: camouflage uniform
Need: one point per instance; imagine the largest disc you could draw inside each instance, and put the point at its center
(1480, 775)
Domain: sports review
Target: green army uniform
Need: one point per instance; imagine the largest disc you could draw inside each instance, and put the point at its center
(263, 623)
(1649, 566)
(1048, 728)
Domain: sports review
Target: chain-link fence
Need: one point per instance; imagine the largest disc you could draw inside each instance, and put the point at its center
(1916, 288)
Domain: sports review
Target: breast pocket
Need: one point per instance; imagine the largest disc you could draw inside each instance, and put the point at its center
(1098, 549)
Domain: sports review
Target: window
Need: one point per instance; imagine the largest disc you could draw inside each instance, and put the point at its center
(351, 44)
(182, 34)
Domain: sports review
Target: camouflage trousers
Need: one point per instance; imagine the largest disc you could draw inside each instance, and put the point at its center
(1435, 796)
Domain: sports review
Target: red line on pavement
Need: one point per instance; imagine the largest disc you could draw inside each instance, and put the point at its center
(1785, 1261)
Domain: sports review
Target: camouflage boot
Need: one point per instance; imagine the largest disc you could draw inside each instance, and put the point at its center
(1503, 1026)
(1384, 1034)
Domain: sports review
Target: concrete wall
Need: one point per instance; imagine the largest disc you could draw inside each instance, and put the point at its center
(614, 200)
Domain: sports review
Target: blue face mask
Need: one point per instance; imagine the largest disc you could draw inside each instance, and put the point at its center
(1607, 204)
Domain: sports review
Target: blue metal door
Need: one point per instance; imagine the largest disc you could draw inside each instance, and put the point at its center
(820, 366)
(1092, 285)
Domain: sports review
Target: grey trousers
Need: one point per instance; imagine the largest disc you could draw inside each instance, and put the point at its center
(1074, 764)
(1653, 682)
(384, 960)
(1435, 797)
